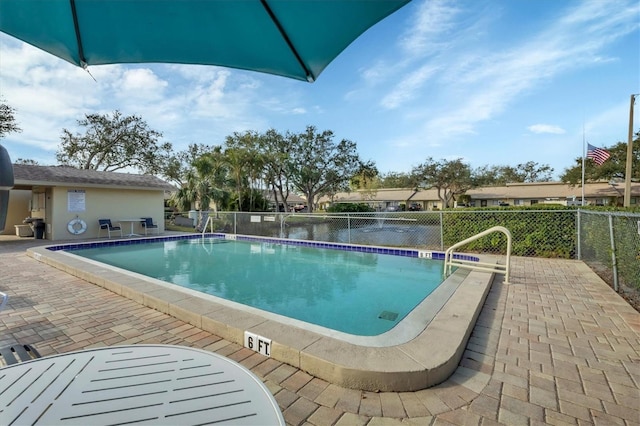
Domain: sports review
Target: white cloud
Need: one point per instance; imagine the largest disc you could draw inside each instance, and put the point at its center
(407, 88)
(141, 83)
(476, 86)
(442, 77)
(546, 128)
(432, 21)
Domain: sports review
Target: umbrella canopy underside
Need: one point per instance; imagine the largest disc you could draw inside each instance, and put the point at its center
(291, 38)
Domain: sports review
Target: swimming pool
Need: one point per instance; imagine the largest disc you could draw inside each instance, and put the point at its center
(361, 293)
(404, 358)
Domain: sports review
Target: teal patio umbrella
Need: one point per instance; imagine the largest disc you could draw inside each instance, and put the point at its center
(291, 38)
(6, 183)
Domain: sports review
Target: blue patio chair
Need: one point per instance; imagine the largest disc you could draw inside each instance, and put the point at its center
(147, 223)
(14, 354)
(107, 226)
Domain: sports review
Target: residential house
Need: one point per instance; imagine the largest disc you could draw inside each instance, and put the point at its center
(515, 194)
(386, 199)
(294, 202)
(527, 194)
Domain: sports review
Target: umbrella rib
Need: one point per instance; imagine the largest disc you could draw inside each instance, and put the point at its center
(310, 76)
(76, 26)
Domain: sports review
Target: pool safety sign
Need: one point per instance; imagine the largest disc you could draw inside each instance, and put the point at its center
(76, 200)
(256, 343)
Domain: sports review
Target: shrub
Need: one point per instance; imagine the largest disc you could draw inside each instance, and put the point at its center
(534, 233)
(350, 208)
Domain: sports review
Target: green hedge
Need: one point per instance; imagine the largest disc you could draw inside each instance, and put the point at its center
(596, 245)
(350, 208)
(540, 231)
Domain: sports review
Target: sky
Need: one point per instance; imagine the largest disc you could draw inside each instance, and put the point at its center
(492, 82)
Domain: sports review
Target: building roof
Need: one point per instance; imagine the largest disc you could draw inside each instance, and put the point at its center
(291, 198)
(541, 190)
(533, 190)
(379, 195)
(26, 176)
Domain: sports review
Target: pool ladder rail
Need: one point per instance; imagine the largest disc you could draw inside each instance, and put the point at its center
(450, 260)
(209, 222)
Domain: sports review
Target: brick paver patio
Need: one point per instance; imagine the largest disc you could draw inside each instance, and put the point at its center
(557, 346)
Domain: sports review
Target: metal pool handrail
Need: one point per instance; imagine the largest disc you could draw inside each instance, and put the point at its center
(449, 260)
(209, 221)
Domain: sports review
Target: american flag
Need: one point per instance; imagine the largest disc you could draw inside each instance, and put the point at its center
(598, 155)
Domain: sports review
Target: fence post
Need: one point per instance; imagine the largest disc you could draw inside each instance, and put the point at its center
(235, 222)
(613, 254)
(441, 230)
(349, 228)
(579, 248)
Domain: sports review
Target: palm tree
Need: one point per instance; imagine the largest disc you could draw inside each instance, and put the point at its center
(236, 160)
(207, 181)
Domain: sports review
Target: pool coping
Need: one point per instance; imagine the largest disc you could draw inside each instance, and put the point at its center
(424, 361)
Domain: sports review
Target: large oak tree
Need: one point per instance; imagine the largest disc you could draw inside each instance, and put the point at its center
(451, 178)
(114, 142)
(8, 122)
(320, 166)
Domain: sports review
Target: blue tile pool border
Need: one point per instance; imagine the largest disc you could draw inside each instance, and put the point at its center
(393, 251)
(403, 359)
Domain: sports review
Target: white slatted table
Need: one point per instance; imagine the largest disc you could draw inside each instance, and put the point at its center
(152, 384)
(131, 221)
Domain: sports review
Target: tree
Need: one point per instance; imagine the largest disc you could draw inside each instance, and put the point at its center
(319, 166)
(366, 177)
(113, 143)
(397, 180)
(27, 161)
(450, 178)
(245, 164)
(532, 172)
(275, 148)
(7, 120)
(489, 176)
(612, 169)
(207, 181)
(365, 180)
(178, 165)
(501, 175)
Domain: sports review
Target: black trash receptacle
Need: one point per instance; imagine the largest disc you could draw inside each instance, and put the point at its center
(38, 229)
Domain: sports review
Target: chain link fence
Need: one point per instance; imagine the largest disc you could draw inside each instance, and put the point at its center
(608, 242)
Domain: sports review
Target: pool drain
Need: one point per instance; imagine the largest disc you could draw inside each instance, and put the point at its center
(390, 316)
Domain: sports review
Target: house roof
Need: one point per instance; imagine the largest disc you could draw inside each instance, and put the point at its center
(540, 190)
(26, 176)
(291, 198)
(384, 194)
(533, 190)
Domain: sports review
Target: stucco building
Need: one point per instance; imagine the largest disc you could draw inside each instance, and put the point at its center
(514, 194)
(61, 196)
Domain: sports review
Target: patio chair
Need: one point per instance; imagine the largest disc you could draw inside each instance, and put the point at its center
(17, 353)
(106, 225)
(147, 223)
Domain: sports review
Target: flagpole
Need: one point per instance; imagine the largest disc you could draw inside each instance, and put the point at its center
(584, 147)
(627, 173)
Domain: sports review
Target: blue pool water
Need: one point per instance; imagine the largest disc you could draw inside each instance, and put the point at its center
(354, 292)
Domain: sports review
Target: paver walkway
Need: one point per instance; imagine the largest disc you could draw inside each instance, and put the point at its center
(557, 346)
